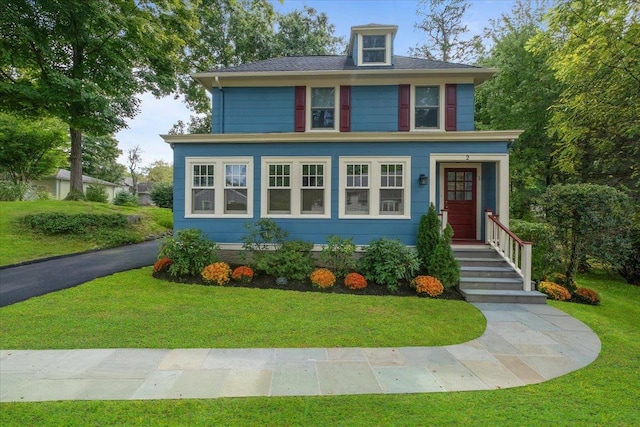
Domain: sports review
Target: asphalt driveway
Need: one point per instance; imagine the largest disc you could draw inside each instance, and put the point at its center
(26, 281)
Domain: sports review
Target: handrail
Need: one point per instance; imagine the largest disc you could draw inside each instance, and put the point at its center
(513, 249)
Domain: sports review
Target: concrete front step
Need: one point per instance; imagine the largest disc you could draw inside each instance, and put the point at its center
(493, 283)
(483, 253)
(502, 271)
(502, 296)
(482, 262)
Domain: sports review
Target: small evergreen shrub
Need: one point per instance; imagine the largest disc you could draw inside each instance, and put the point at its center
(53, 223)
(587, 296)
(97, 193)
(190, 251)
(322, 278)
(161, 264)
(554, 291)
(427, 285)
(125, 198)
(263, 237)
(338, 255)
(217, 273)
(386, 261)
(291, 260)
(443, 264)
(242, 274)
(428, 236)
(355, 281)
(162, 195)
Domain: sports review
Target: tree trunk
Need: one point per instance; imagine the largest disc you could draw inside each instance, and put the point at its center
(75, 158)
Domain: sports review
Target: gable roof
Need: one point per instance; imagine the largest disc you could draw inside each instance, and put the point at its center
(65, 175)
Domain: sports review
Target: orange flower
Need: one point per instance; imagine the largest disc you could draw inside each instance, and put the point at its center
(217, 273)
(243, 274)
(588, 296)
(554, 291)
(161, 264)
(427, 285)
(323, 278)
(355, 281)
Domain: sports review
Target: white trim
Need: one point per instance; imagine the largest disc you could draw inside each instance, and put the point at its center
(502, 177)
(295, 185)
(387, 47)
(478, 168)
(441, 112)
(374, 163)
(219, 179)
(336, 108)
(344, 137)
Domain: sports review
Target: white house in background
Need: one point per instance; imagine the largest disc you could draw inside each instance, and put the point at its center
(59, 184)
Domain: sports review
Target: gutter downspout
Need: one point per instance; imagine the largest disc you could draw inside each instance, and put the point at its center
(221, 104)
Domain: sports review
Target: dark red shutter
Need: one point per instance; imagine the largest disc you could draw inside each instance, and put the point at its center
(404, 107)
(345, 108)
(451, 106)
(300, 112)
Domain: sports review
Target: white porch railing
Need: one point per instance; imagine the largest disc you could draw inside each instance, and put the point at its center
(515, 251)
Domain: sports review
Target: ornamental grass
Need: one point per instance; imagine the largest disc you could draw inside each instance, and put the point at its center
(428, 285)
(587, 296)
(161, 264)
(217, 273)
(242, 274)
(355, 281)
(323, 278)
(554, 291)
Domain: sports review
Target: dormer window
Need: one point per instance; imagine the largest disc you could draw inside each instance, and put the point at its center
(374, 49)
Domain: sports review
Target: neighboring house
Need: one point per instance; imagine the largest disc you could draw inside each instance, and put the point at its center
(59, 184)
(143, 191)
(354, 145)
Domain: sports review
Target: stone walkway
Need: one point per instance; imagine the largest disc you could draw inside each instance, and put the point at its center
(523, 344)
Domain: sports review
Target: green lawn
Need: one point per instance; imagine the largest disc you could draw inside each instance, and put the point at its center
(605, 393)
(134, 310)
(18, 244)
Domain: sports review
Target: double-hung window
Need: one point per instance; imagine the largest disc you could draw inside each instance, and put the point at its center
(322, 108)
(374, 49)
(374, 187)
(296, 187)
(427, 107)
(218, 187)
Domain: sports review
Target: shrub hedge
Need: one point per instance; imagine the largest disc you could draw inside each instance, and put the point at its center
(52, 223)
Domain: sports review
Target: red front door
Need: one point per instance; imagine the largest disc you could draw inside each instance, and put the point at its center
(460, 201)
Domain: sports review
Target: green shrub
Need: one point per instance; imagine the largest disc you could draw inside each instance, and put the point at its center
(10, 191)
(443, 264)
(263, 237)
(125, 198)
(291, 260)
(338, 255)
(116, 237)
(428, 236)
(545, 255)
(189, 251)
(162, 195)
(386, 261)
(97, 193)
(629, 268)
(52, 223)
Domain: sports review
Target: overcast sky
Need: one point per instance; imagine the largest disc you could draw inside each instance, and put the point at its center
(157, 116)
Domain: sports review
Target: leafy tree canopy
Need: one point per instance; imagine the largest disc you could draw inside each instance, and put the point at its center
(99, 159)
(159, 172)
(31, 148)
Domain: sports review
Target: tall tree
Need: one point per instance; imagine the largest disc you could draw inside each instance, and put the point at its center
(100, 158)
(85, 60)
(159, 172)
(306, 32)
(519, 97)
(593, 48)
(31, 147)
(134, 159)
(446, 35)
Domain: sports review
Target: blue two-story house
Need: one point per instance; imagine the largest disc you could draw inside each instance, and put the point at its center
(355, 145)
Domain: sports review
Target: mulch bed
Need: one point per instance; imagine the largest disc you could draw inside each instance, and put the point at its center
(263, 281)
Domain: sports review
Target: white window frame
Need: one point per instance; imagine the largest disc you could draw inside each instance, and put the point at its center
(295, 186)
(441, 112)
(375, 186)
(387, 45)
(336, 108)
(219, 187)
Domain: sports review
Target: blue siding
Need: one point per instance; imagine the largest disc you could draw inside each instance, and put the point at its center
(374, 108)
(464, 115)
(253, 110)
(316, 230)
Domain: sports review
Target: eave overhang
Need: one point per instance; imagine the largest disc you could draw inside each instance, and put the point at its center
(344, 137)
